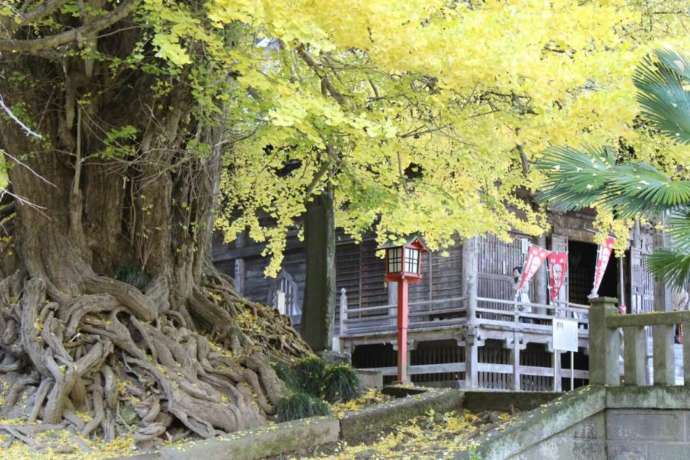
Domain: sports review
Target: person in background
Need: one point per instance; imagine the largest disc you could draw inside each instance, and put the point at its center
(521, 296)
(680, 301)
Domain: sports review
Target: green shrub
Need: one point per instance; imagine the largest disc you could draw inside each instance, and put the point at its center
(287, 374)
(340, 383)
(131, 274)
(310, 373)
(300, 405)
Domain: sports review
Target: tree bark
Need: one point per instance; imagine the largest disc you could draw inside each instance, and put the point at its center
(320, 289)
(113, 306)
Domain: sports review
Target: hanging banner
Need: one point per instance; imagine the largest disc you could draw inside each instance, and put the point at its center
(535, 257)
(558, 269)
(603, 256)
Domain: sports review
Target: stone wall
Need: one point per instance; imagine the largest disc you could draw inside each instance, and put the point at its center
(634, 434)
(619, 434)
(583, 441)
(597, 422)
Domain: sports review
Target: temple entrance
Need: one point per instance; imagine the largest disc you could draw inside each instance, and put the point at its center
(582, 259)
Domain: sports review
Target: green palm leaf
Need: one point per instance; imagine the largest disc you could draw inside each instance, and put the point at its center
(577, 179)
(678, 228)
(639, 189)
(671, 266)
(661, 79)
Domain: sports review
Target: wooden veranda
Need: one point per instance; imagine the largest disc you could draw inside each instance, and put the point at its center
(507, 325)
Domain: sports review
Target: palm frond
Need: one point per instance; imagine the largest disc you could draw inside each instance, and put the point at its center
(639, 189)
(678, 228)
(661, 79)
(575, 179)
(675, 61)
(671, 266)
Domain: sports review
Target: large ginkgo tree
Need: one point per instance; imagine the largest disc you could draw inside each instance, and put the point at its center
(599, 177)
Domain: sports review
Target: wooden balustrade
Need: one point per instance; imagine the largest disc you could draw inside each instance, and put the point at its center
(515, 323)
(605, 344)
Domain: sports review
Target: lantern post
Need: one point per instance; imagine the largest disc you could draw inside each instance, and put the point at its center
(404, 266)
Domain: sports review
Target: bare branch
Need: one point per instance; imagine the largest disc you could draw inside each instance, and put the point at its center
(325, 82)
(9, 113)
(36, 46)
(24, 165)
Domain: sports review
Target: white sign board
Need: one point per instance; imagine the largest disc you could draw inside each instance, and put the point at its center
(280, 302)
(565, 334)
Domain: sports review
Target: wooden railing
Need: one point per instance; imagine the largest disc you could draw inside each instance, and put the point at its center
(531, 316)
(424, 314)
(605, 345)
(511, 318)
(448, 312)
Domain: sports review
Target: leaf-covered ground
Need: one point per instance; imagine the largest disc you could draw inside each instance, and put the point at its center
(368, 398)
(59, 444)
(430, 436)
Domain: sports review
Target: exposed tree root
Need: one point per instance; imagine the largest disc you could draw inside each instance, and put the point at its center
(117, 361)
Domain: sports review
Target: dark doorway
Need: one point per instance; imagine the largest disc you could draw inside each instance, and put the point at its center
(582, 259)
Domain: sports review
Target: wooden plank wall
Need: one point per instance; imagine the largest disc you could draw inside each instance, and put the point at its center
(446, 274)
(258, 286)
(373, 290)
(347, 272)
(496, 262)
(642, 285)
(361, 273)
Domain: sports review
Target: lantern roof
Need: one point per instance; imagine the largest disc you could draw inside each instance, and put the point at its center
(413, 242)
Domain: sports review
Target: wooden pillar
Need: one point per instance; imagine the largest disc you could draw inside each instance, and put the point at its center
(662, 336)
(516, 363)
(635, 354)
(557, 381)
(470, 268)
(621, 280)
(604, 343)
(343, 313)
(541, 280)
(239, 275)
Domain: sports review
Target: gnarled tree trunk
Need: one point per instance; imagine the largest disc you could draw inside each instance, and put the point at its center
(113, 308)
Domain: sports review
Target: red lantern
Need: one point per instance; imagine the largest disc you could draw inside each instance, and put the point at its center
(404, 266)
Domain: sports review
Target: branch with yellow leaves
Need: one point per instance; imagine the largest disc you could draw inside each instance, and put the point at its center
(325, 81)
(37, 45)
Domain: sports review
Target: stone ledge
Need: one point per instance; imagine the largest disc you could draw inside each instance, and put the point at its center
(539, 424)
(526, 433)
(488, 400)
(647, 397)
(267, 441)
(360, 425)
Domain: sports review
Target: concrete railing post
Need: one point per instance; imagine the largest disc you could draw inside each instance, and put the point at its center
(634, 355)
(604, 343)
(663, 356)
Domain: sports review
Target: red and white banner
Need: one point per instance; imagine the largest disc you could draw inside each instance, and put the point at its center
(603, 256)
(558, 269)
(535, 257)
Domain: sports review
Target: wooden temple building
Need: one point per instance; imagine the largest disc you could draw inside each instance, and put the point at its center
(465, 328)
